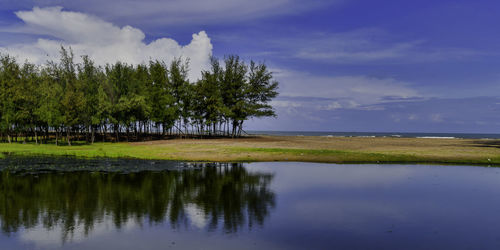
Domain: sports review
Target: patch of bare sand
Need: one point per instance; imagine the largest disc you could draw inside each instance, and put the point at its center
(428, 148)
(338, 143)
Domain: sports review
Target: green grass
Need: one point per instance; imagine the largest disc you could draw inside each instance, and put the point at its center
(113, 150)
(230, 153)
(339, 156)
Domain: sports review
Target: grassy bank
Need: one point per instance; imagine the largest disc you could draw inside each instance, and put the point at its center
(285, 148)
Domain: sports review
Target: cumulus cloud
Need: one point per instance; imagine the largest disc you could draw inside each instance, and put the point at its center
(101, 40)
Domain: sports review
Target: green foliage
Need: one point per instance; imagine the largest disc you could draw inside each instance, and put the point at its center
(132, 101)
(160, 98)
(9, 87)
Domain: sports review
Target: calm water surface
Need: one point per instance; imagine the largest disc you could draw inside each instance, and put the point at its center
(165, 205)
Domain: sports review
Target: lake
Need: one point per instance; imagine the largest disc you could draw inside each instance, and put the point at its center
(68, 203)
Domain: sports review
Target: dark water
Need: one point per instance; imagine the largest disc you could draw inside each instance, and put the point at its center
(378, 134)
(246, 206)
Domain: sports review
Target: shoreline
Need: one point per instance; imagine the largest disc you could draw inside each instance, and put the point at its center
(355, 150)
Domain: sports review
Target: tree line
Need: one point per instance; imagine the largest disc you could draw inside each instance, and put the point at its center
(120, 101)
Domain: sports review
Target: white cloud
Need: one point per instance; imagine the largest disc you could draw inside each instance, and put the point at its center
(101, 40)
(340, 104)
(175, 12)
(285, 104)
(436, 118)
(412, 117)
(305, 98)
(366, 45)
(345, 91)
(341, 55)
(333, 105)
(355, 46)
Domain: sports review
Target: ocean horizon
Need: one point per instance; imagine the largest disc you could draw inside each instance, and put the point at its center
(378, 134)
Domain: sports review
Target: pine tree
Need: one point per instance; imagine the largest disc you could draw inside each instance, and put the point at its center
(65, 98)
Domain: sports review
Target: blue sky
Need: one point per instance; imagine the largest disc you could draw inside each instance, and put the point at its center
(343, 65)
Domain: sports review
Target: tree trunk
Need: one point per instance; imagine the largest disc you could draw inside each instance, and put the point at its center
(127, 131)
(46, 134)
(87, 140)
(105, 133)
(240, 129)
(117, 133)
(92, 136)
(233, 132)
(68, 135)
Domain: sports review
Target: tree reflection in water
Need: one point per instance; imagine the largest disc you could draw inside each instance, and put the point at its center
(227, 195)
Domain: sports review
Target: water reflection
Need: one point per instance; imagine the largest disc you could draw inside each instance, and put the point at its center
(256, 206)
(217, 197)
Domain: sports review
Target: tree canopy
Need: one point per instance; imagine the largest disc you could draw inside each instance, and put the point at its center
(121, 101)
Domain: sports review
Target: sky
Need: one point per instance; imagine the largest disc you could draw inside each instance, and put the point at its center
(342, 65)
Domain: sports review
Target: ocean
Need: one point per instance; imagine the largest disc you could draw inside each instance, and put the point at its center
(379, 134)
